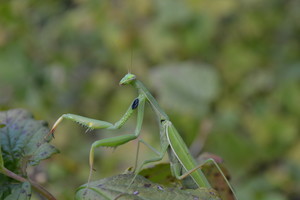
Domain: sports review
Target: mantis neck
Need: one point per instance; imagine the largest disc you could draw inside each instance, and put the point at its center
(144, 91)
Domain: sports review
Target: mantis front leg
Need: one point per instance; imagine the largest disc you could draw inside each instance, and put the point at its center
(138, 103)
(90, 123)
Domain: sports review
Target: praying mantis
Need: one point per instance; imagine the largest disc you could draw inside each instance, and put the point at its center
(182, 164)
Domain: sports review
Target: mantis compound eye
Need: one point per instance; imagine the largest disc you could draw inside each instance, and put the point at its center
(135, 104)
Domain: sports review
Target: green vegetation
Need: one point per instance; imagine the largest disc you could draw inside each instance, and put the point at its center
(67, 57)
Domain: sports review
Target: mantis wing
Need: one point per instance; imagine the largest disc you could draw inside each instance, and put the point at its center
(183, 155)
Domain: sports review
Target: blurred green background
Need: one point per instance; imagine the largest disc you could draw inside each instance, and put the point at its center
(227, 73)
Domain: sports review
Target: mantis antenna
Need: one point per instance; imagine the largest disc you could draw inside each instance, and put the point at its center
(131, 55)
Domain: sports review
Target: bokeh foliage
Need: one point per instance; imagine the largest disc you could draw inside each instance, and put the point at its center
(64, 56)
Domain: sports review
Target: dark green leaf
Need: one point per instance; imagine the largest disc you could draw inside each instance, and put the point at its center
(22, 139)
(160, 174)
(23, 192)
(22, 142)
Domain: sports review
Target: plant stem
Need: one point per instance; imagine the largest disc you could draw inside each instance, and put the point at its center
(35, 185)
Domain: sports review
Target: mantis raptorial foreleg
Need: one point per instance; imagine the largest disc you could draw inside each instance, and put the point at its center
(138, 103)
(90, 123)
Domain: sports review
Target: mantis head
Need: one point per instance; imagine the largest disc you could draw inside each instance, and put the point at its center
(127, 79)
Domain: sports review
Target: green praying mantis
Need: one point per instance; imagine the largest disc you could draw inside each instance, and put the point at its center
(182, 164)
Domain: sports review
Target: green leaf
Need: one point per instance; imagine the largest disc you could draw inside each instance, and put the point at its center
(23, 192)
(140, 189)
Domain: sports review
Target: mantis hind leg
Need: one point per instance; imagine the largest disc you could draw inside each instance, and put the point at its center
(210, 160)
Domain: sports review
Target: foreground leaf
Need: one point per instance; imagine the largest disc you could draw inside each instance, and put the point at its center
(22, 142)
(141, 189)
(23, 192)
(22, 139)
